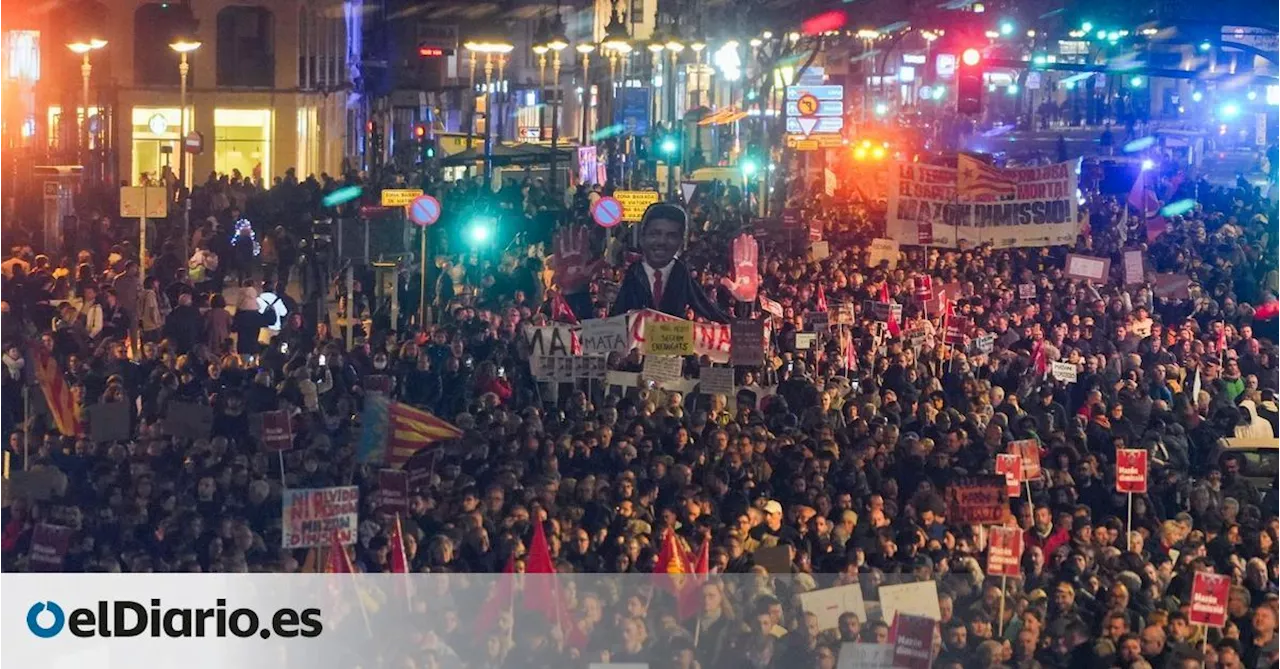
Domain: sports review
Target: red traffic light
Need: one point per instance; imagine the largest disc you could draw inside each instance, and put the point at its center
(420, 131)
(971, 57)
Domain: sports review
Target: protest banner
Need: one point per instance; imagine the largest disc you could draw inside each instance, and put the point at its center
(590, 367)
(977, 500)
(771, 307)
(819, 251)
(1209, 594)
(552, 340)
(1004, 551)
(187, 420)
(1010, 466)
(1087, 268)
(109, 421)
(1064, 371)
(748, 343)
(957, 330)
(1172, 286)
(662, 369)
(984, 344)
(883, 250)
(602, 336)
(924, 288)
(716, 381)
(879, 311)
(709, 339)
(916, 599)
(622, 379)
(817, 321)
(865, 656)
(1026, 291)
(913, 641)
(844, 313)
(393, 488)
(829, 603)
(669, 338)
(320, 516)
(1131, 470)
(805, 340)
(1043, 212)
(49, 546)
(273, 430)
(1134, 268)
(1028, 452)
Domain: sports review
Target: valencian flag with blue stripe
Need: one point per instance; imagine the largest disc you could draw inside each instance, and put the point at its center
(393, 432)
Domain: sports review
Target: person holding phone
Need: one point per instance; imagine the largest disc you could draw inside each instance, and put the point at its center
(660, 280)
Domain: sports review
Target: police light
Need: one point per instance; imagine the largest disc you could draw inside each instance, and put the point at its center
(971, 57)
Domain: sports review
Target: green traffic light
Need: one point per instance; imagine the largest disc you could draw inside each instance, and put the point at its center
(748, 167)
(1006, 28)
(480, 231)
(668, 145)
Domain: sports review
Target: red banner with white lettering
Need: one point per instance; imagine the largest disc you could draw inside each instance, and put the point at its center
(1004, 552)
(1029, 451)
(912, 641)
(1010, 464)
(1131, 470)
(1209, 593)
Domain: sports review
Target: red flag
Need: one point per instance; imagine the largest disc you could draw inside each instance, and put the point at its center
(1267, 311)
(499, 600)
(57, 393)
(398, 560)
(676, 573)
(560, 311)
(894, 330)
(822, 298)
(1039, 361)
(540, 594)
(338, 561)
(1156, 226)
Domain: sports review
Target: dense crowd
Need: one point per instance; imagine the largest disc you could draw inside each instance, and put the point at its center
(844, 460)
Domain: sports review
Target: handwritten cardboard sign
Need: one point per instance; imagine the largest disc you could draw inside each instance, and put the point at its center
(977, 500)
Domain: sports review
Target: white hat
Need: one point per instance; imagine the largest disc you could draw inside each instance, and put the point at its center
(772, 506)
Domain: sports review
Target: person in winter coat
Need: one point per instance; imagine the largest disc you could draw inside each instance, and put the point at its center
(1251, 425)
(217, 324)
(182, 325)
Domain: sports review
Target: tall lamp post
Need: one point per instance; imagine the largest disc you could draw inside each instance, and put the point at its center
(183, 46)
(83, 49)
(585, 49)
(557, 42)
(489, 45)
(617, 44)
(540, 38)
(674, 47)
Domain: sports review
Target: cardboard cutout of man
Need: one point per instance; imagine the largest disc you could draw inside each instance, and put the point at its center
(660, 280)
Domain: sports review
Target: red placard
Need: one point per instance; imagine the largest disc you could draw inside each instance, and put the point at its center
(49, 545)
(1209, 593)
(277, 433)
(924, 233)
(924, 288)
(1010, 464)
(957, 329)
(976, 500)
(1131, 470)
(393, 491)
(1029, 451)
(912, 641)
(1004, 551)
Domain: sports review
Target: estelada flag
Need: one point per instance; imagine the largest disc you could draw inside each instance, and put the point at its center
(412, 429)
(57, 393)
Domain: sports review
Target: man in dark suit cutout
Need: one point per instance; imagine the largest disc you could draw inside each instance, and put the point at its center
(660, 280)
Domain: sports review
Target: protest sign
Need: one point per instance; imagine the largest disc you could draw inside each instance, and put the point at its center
(819, 251)
(771, 307)
(109, 421)
(186, 420)
(1010, 465)
(662, 368)
(1088, 268)
(883, 250)
(1026, 291)
(274, 430)
(320, 516)
(1131, 470)
(829, 603)
(879, 311)
(591, 367)
(393, 486)
(844, 313)
(977, 500)
(917, 599)
(709, 339)
(865, 656)
(924, 288)
(1064, 371)
(1004, 551)
(1209, 594)
(1028, 450)
(748, 343)
(1172, 286)
(1043, 212)
(552, 340)
(804, 340)
(716, 381)
(602, 336)
(913, 641)
(1134, 269)
(49, 546)
(622, 379)
(817, 321)
(957, 330)
(984, 344)
(673, 338)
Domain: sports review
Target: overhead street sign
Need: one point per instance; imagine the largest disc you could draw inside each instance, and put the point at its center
(815, 112)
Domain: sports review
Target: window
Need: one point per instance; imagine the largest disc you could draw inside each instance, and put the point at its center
(155, 25)
(637, 11)
(246, 47)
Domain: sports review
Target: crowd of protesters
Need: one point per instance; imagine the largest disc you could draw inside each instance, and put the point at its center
(844, 462)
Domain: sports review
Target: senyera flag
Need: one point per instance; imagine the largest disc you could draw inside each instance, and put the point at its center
(1131, 470)
(1209, 592)
(57, 393)
(393, 432)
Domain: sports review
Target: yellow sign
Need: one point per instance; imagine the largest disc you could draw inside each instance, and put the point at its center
(823, 141)
(634, 202)
(399, 197)
(672, 338)
(144, 201)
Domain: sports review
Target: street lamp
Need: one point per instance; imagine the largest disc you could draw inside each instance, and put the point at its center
(557, 41)
(183, 47)
(540, 37)
(489, 46)
(584, 49)
(82, 49)
(674, 46)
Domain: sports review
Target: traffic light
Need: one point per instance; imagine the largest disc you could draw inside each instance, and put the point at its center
(374, 142)
(426, 143)
(969, 82)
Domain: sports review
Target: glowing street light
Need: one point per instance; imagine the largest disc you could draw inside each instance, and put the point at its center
(83, 49)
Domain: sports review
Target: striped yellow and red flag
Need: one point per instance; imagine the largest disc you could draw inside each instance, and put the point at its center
(57, 394)
(411, 430)
(977, 181)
